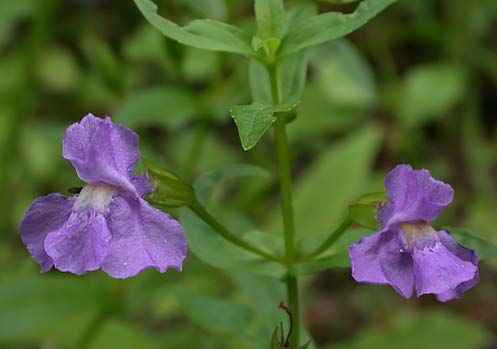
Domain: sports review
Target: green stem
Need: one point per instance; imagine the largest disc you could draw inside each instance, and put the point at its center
(284, 170)
(202, 213)
(283, 157)
(331, 239)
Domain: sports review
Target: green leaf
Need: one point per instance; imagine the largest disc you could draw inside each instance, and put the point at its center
(334, 180)
(364, 210)
(58, 70)
(216, 251)
(168, 107)
(212, 248)
(329, 26)
(428, 330)
(207, 182)
(269, 15)
(263, 294)
(340, 94)
(170, 190)
(364, 215)
(216, 315)
(117, 335)
(255, 119)
(483, 248)
(204, 34)
(429, 91)
(345, 76)
(334, 257)
(293, 74)
(39, 307)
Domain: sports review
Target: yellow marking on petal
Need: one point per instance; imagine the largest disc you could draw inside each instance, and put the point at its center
(414, 232)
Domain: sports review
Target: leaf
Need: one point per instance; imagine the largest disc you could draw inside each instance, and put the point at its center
(329, 26)
(39, 307)
(293, 75)
(483, 248)
(428, 330)
(57, 70)
(364, 210)
(334, 257)
(263, 294)
(344, 75)
(340, 94)
(216, 315)
(216, 251)
(364, 215)
(206, 183)
(255, 119)
(204, 34)
(336, 178)
(269, 15)
(429, 91)
(117, 335)
(168, 107)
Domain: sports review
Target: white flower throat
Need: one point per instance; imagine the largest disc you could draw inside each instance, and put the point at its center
(95, 197)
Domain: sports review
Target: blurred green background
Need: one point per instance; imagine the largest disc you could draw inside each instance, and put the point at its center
(418, 84)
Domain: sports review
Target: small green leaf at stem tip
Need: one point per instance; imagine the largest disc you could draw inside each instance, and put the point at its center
(270, 15)
(255, 119)
(170, 190)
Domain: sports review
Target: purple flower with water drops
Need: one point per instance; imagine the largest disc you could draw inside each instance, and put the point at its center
(408, 252)
(107, 225)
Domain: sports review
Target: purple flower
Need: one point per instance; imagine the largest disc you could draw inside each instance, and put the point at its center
(407, 252)
(108, 225)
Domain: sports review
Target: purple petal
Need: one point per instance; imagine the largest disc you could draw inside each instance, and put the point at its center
(80, 244)
(414, 195)
(142, 238)
(437, 269)
(464, 254)
(102, 152)
(46, 214)
(365, 257)
(396, 264)
(142, 184)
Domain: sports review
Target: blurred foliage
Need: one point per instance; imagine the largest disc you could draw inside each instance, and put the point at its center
(417, 84)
